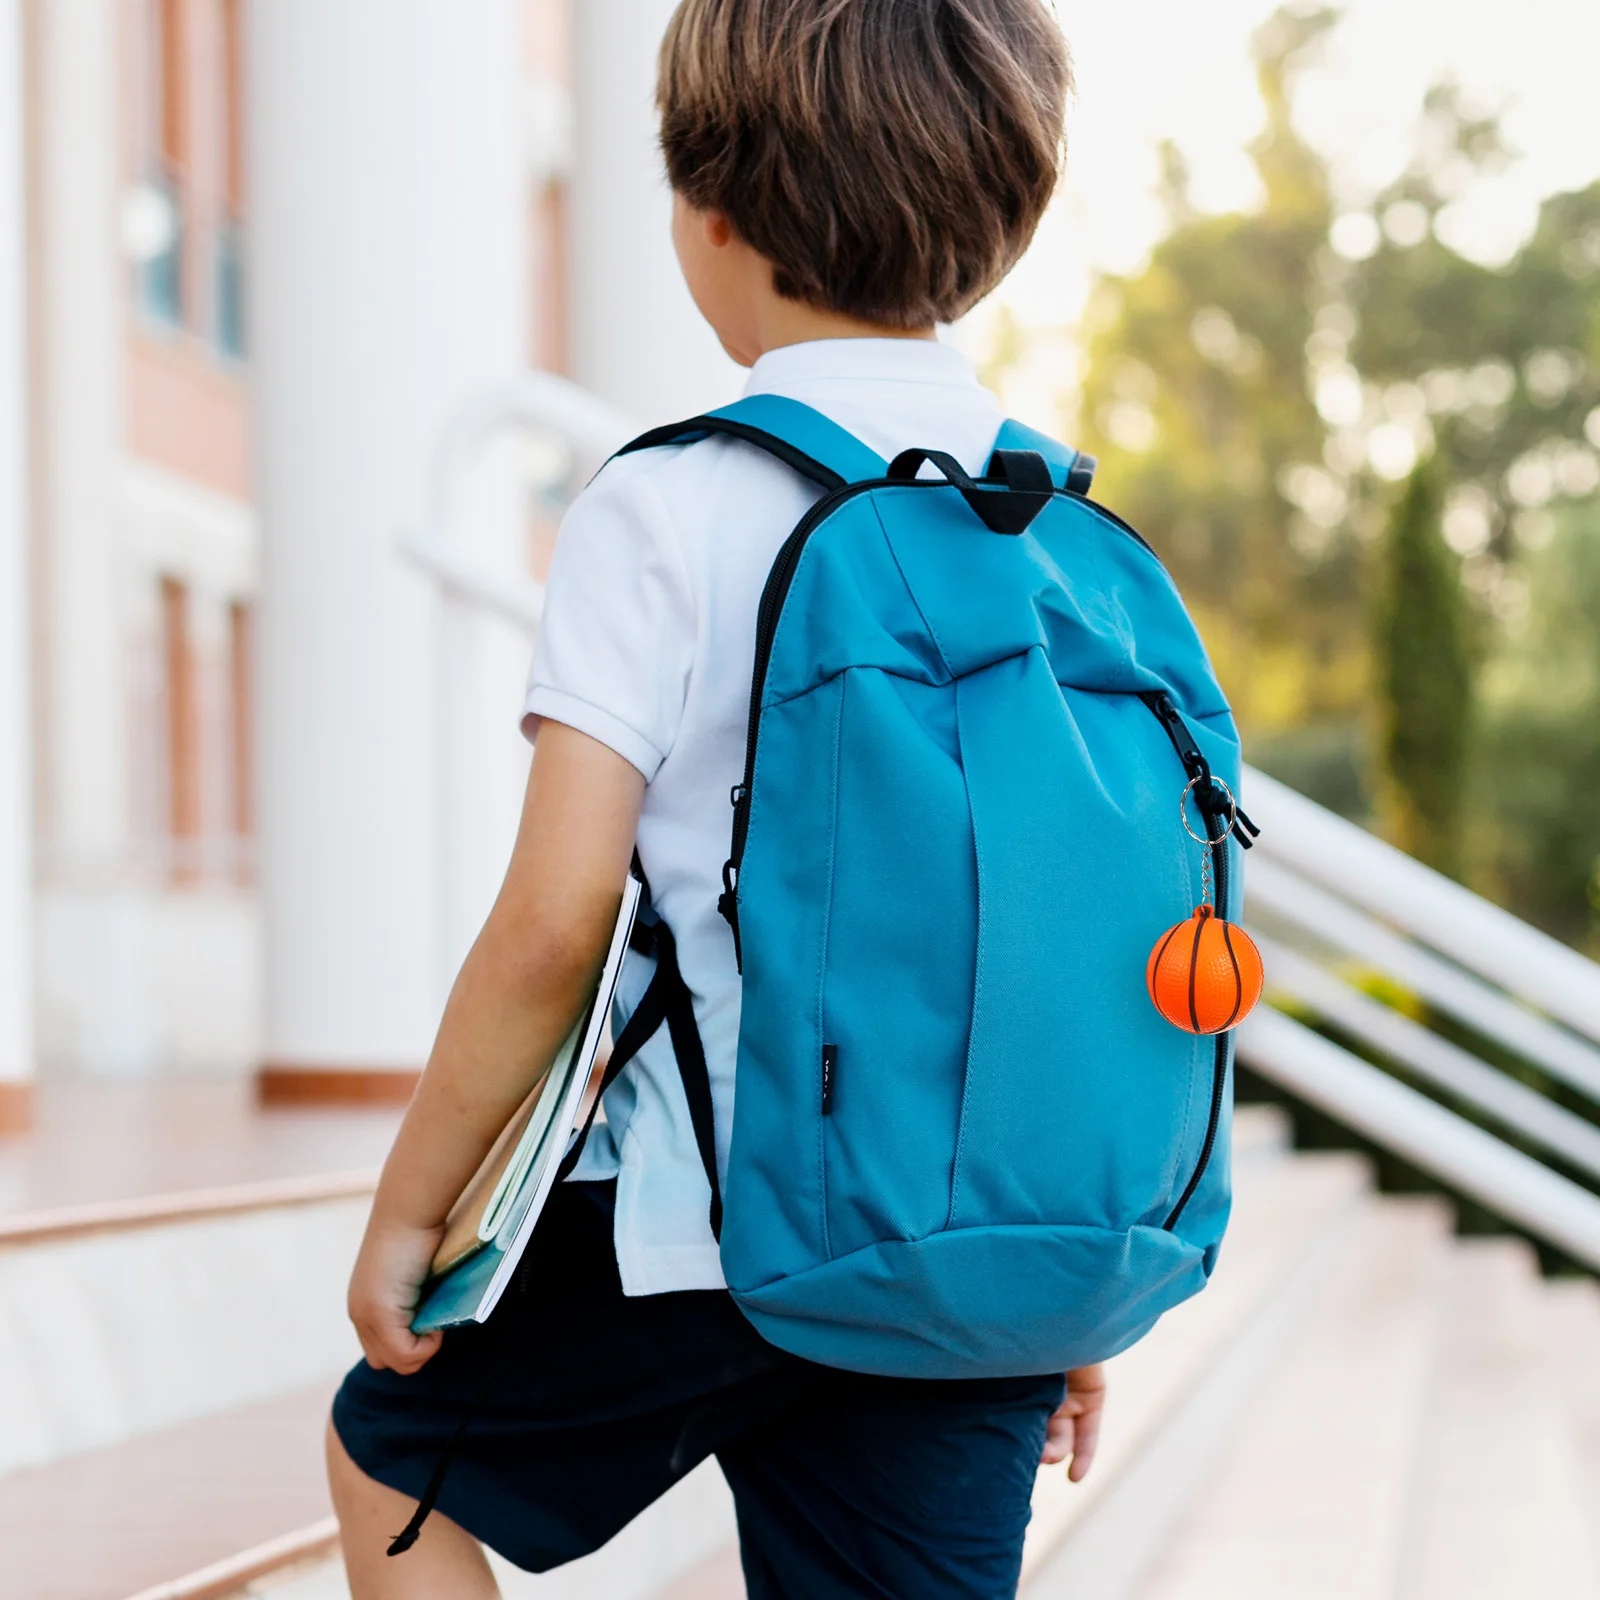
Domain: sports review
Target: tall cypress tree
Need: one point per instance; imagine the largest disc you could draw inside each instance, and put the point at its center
(1424, 678)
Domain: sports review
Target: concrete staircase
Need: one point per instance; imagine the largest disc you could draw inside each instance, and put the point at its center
(1360, 1406)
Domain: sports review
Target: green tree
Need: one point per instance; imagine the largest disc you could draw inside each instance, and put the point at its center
(1503, 363)
(1424, 680)
(1195, 399)
(1539, 748)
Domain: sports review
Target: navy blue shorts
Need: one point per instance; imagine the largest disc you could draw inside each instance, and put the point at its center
(587, 1406)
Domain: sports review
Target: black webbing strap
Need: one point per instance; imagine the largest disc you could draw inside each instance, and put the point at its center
(1021, 469)
(648, 1015)
(666, 999)
(691, 1054)
(699, 427)
(1000, 506)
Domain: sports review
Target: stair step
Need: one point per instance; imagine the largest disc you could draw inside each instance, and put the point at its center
(1261, 1132)
(1175, 1398)
(192, 1205)
(1310, 1499)
(120, 1319)
(113, 1523)
(1499, 1506)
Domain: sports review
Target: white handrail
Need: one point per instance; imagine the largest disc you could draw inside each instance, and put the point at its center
(1273, 887)
(1400, 1119)
(585, 431)
(1392, 885)
(1440, 1062)
(536, 401)
(517, 600)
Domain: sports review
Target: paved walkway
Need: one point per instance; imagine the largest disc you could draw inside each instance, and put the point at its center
(116, 1141)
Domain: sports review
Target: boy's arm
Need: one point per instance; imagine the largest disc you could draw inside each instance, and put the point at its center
(513, 1003)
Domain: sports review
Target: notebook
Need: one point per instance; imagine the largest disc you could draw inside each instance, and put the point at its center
(489, 1226)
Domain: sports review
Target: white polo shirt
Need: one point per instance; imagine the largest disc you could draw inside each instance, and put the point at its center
(648, 645)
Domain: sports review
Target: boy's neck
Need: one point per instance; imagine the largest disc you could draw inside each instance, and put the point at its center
(779, 322)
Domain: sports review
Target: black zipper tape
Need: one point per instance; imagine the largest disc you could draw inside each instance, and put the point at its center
(1214, 813)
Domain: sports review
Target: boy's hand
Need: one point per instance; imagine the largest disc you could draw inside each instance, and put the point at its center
(388, 1274)
(1075, 1428)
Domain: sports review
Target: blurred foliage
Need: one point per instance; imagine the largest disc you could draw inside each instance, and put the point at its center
(1539, 775)
(1260, 393)
(1196, 400)
(1424, 682)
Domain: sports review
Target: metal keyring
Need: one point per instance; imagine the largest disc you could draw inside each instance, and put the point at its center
(1183, 810)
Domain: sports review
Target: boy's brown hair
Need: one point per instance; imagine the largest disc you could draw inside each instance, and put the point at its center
(890, 158)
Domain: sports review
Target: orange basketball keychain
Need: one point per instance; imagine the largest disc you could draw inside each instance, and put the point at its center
(1204, 974)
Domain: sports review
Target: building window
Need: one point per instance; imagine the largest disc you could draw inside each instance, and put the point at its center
(229, 251)
(172, 66)
(552, 298)
(241, 677)
(159, 217)
(228, 244)
(232, 49)
(184, 773)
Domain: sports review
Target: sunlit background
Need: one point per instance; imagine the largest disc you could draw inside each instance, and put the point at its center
(314, 315)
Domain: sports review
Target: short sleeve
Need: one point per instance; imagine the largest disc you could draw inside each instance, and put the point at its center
(618, 637)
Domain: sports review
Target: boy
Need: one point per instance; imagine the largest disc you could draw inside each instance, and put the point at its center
(847, 174)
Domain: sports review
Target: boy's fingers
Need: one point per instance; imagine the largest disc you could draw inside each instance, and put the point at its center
(1057, 1441)
(1057, 1438)
(398, 1349)
(1085, 1440)
(410, 1351)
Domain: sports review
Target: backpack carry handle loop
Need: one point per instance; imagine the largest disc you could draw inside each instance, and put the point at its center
(1026, 470)
(1001, 507)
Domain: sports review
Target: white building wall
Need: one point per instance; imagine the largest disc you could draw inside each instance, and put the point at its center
(637, 339)
(81, 732)
(95, 1009)
(388, 244)
(16, 766)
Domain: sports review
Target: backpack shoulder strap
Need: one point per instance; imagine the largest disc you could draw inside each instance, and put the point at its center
(1071, 469)
(816, 447)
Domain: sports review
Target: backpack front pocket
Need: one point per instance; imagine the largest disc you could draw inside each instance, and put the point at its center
(897, 991)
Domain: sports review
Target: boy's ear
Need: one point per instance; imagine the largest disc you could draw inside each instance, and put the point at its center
(719, 231)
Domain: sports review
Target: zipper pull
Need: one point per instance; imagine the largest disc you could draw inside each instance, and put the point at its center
(728, 905)
(1244, 830)
(830, 1063)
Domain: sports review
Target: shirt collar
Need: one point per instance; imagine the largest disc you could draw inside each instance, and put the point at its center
(861, 360)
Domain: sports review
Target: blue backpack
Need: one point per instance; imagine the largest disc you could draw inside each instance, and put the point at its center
(966, 1144)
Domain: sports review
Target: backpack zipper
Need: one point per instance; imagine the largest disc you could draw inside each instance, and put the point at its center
(773, 594)
(1195, 764)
